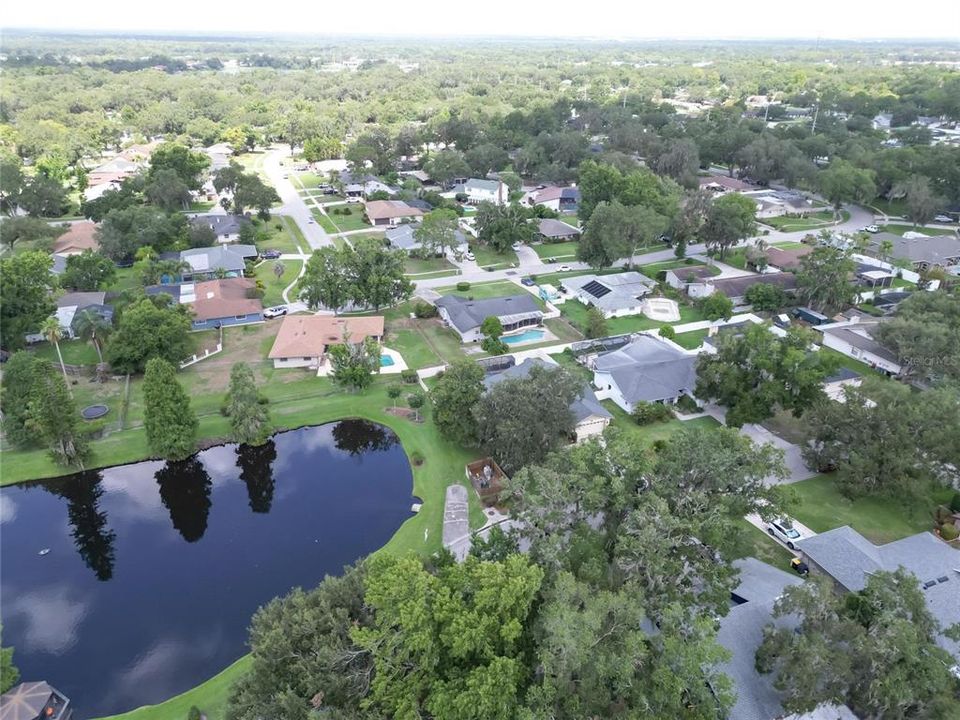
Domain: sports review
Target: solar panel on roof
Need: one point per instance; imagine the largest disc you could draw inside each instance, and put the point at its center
(596, 289)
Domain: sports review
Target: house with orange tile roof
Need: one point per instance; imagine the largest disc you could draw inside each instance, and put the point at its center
(390, 212)
(79, 236)
(229, 301)
(303, 340)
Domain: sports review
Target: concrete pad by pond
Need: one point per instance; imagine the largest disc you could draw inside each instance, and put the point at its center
(456, 522)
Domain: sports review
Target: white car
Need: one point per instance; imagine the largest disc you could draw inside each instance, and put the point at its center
(784, 531)
(944, 218)
(470, 256)
(517, 245)
(277, 311)
(871, 229)
(354, 199)
(563, 268)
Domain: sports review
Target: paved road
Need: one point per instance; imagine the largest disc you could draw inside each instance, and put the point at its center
(293, 204)
(479, 275)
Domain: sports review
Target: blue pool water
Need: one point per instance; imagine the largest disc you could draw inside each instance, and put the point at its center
(386, 361)
(524, 337)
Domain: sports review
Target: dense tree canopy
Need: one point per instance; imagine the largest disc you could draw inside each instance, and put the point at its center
(26, 287)
(150, 327)
(757, 373)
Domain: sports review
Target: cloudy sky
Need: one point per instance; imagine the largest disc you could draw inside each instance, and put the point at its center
(844, 19)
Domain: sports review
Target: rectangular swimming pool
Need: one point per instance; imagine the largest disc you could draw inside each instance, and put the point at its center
(386, 361)
(525, 337)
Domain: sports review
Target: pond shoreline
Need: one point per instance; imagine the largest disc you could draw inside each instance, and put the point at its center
(238, 525)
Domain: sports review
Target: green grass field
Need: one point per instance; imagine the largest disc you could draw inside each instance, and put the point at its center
(351, 218)
(897, 229)
(487, 257)
(273, 285)
(561, 251)
(419, 266)
(75, 352)
(690, 340)
(822, 507)
(576, 313)
(210, 697)
(488, 290)
(751, 541)
(814, 221)
(276, 234)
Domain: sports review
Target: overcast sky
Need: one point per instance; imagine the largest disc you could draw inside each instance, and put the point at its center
(842, 19)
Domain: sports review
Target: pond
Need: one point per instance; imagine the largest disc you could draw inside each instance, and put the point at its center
(155, 569)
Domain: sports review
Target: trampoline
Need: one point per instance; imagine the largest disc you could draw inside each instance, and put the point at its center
(92, 412)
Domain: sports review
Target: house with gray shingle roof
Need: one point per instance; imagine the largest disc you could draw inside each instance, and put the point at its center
(615, 295)
(557, 230)
(205, 263)
(921, 251)
(646, 370)
(854, 338)
(849, 558)
(404, 237)
(466, 316)
(590, 416)
(225, 227)
(741, 632)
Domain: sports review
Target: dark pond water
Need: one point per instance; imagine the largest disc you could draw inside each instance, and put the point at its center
(155, 569)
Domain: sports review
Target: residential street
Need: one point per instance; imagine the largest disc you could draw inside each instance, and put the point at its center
(293, 204)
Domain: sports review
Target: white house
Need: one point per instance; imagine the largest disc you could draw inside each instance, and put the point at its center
(615, 295)
(854, 338)
(646, 370)
(478, 191)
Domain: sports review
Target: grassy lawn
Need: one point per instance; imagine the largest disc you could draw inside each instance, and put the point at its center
(487, 257)
(274, 286)
(654, 269)
(350, 218)
(210, 697)
(419, 266)
(75, 352)
(737, 259)
(296, 232)
(560, 251)
(901, 229)
(691, 340)
(200, 207)
(788, 223)
(789, 245)
(851, 364)
(576, 313)
(649, 434)
(324, 221)
(750, 541)
(896, 207)
(308, 179)
(275, 234)
(125, 279)
(488, 290)
(821, 507)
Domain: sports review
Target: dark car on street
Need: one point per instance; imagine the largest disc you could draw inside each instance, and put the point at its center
(270, 254)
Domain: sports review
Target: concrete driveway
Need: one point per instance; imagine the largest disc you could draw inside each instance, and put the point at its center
(758, 523)
(792, 457)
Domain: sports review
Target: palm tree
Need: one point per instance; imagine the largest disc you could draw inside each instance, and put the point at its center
(886, 248)
(52, 331)
(93, 327)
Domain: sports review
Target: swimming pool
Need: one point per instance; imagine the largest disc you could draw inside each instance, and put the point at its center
(524, 337)
(386, 361)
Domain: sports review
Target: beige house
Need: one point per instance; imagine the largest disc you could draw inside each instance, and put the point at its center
(303, 340)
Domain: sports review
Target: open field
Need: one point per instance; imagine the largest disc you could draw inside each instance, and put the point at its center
(822, 507)
(561, 251)
(576, 313)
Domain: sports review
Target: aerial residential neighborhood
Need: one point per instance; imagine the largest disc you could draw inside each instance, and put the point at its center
(531, 362)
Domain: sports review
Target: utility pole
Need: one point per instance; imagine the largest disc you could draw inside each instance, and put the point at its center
(816, 113)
